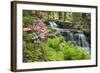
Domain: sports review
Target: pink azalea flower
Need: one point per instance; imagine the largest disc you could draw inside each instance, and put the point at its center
(41, 26)
(31, 27)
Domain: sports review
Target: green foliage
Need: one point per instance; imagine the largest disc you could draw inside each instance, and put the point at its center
(71, 52)
(26, 36)
(54, 42)
(55, 49)
(27, 13)
(32, 52)
(29, 20)
(76, 17)
(52, 54)
(75, 54)
(29, 51)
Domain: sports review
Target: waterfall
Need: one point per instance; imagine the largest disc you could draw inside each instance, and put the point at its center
(53, 25)
(79, 38)
(70, 36)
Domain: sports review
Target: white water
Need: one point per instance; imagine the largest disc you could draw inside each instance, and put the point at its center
(79, 38)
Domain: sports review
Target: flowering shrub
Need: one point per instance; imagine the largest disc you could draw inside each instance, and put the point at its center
(31, 27)
(42, 28)
(38, 31)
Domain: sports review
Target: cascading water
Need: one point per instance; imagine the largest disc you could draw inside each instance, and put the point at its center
(79, 38)
(53, 26)
(70, 36)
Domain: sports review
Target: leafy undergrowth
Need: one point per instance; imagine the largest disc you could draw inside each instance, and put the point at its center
(54, 49)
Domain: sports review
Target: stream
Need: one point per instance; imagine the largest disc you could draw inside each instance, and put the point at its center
(79, 37)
